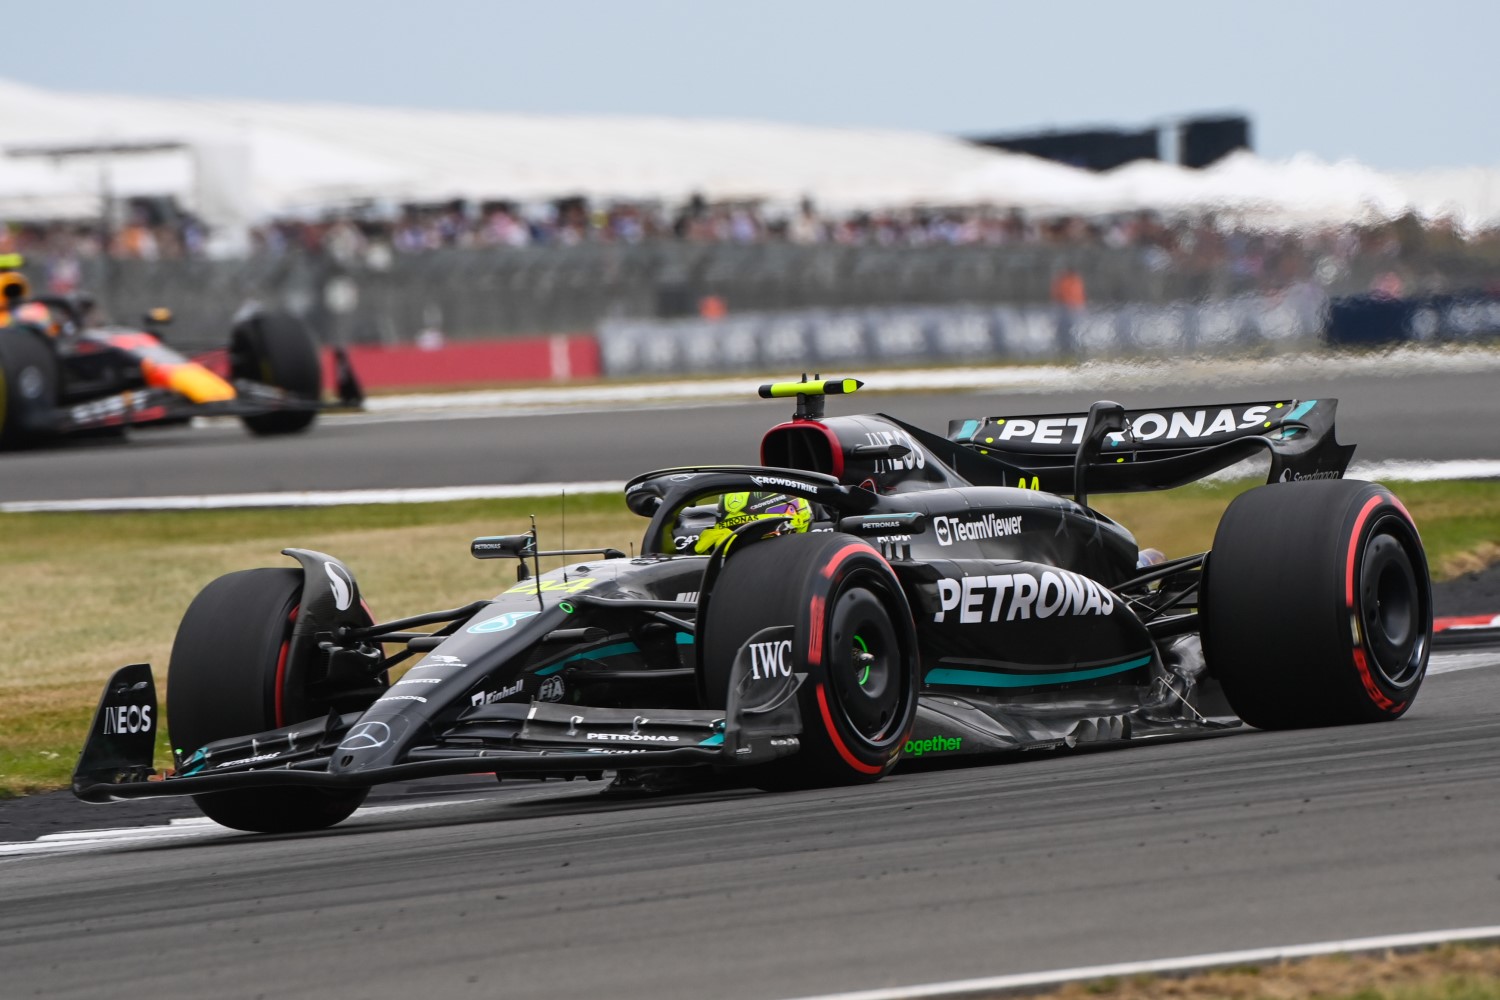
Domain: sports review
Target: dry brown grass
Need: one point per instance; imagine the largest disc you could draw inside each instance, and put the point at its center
(1482, 556)
(117, 597)
(99, 591)
(1448, 973)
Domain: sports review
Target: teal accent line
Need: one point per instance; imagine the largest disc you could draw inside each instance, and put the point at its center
(987, 678)
(604, 652)
(966, 432)
(716, 740)
(1302, 408)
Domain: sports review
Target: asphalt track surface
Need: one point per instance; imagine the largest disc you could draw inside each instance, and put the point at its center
(1414, 416)
(1246, 840)
(523, 890)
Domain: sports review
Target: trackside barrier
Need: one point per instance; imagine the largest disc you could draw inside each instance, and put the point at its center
(1374, 320)
(786, 341)
(555, 358)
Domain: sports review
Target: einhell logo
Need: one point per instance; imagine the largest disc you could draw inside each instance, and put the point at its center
(121, 719)
(770, 659)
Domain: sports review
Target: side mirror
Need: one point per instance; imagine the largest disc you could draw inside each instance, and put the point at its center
(502, 547)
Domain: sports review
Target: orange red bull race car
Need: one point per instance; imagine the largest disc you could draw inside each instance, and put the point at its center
(60, 376)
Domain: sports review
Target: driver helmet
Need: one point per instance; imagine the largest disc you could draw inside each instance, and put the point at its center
(737, 509)
(39, 316)
(13, 287)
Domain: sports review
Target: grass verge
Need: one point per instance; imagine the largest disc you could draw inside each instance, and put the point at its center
(1451, 972)
(91, 592)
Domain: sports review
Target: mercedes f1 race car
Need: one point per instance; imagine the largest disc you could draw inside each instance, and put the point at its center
(59, 376)
(872, 591)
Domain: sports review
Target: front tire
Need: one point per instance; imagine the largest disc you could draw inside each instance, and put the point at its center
(277, 349)
(226, 678)
(28, 387)
(1317, 605)
(855, 640)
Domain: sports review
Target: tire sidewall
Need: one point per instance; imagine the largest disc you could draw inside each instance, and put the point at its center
(1379, 513)
(854, 565)
(1283, 608)
(225, 679)
(278, 350)
(28, 385)
(799, 580)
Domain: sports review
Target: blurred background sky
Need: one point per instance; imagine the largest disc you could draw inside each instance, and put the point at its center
(1398, 85)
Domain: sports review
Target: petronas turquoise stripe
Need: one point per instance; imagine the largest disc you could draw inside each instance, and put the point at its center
(988, 678)
(605, 652)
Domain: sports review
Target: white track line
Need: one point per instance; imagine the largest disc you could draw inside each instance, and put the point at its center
(1382, 471)
(1032, 981)
(325, 498)
(177, 829)
(1450, 662)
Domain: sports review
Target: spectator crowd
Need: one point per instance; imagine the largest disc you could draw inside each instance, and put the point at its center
(152, 231)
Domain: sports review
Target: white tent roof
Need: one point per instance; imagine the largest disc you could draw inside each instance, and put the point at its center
(244, 160)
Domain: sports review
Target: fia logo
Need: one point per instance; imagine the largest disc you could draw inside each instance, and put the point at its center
(770, 659)
(552, 689)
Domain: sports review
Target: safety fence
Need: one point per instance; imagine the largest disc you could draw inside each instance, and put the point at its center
(948, 335)
(637, 309)
(475, 293)
(1373, 320)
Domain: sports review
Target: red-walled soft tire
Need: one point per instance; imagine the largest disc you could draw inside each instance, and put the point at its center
(854, 639)
(222, 682)
(1317, 605)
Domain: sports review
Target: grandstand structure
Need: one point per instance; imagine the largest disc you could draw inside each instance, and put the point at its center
(236, 163)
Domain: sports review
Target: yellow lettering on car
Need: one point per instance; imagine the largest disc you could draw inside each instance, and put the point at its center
(552, 586)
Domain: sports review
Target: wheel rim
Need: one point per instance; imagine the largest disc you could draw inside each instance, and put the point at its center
(865, 663)
(1393, 604)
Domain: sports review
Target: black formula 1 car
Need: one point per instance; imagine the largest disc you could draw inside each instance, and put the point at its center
(945, 600)
(59, 376)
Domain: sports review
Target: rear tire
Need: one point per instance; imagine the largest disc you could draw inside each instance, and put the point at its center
(28, 387)
(224, 680)
(854, 639)
(277, 349)
(1317, 605)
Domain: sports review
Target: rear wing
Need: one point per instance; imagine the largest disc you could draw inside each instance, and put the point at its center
(1160, 448)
